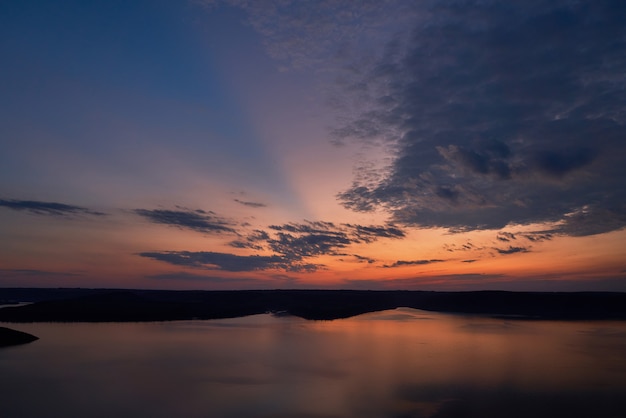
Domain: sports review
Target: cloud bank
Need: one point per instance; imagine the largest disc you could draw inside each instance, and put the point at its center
(505, 113)
(291, 245)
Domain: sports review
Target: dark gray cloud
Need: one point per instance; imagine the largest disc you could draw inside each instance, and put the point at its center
(511, 250)
(251, 204)
(308, 245)
(195, 220)
(47, 208)
(252, 241)
(363, 259)
(401, 263)
(505, 236)
(291, 244)
(228, 262)
(501, 113)
(308, 239)
(467, 246)
(533, 236)
(538, 236)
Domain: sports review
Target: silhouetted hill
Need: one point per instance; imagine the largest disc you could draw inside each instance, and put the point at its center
(100, 305)
(12, 337)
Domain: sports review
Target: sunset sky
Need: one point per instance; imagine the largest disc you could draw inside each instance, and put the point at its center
(258, 144)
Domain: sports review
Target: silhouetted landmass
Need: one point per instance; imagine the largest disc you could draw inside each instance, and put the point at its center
(10, 336)
(100, 305)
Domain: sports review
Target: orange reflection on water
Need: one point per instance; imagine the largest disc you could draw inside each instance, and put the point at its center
(403, 362)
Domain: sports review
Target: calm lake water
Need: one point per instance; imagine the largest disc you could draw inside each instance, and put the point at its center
(400, 363)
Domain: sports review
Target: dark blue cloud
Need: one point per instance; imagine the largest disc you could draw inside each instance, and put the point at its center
(290, 244)
(47, 208)
(500, 113)
(196, 220)
(308, 239)
(228, 262)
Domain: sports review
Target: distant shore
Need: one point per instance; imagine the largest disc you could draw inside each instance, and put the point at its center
(107, 305)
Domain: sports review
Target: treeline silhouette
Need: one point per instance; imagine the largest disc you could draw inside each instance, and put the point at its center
(105, 305)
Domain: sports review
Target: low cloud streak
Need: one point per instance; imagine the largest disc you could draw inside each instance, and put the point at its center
(47, 208)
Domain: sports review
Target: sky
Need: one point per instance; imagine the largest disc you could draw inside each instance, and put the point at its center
(335, 144)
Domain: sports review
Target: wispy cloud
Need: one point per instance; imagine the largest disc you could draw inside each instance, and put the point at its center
(47, 208)
(196, 220)
(402, 263)
(309, 239)
(228, 262)
(251, 204)
(363, 259)
(291, 245)
(512, 250)
(467, 246)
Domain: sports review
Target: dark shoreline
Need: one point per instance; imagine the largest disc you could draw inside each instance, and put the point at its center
(106, 305)
(10, 337)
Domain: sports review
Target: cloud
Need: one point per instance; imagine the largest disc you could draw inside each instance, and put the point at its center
(401, 263)
(290, 243)
(47, 208)
(251, 204)
(228, 262)
(467, 246)
(499, 114)
(252, 240)
(305, 35)
(505, 236)
(195, 220)
(538, 236)
(363, 259)
(495, 114)
(512, 250)
(308, 239)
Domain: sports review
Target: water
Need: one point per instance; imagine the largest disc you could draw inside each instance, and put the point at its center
(400, 363)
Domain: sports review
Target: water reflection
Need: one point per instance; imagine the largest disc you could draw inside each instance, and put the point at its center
(400, 363)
